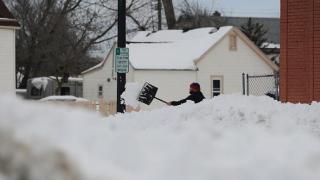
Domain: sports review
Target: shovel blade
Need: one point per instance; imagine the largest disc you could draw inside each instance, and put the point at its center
(147, 93)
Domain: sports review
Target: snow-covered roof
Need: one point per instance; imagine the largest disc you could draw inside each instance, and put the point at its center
(173, 49)
(63, 98)
(99, 65)
(170, 49)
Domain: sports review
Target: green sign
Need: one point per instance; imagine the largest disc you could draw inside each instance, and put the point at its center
(122, 60)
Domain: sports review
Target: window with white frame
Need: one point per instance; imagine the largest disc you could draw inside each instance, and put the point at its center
(216, 86)
(100, 91)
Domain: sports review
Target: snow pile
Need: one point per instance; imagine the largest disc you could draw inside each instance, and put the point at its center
(21, 160)
(230, 137)
(40, 82)
(130, 95)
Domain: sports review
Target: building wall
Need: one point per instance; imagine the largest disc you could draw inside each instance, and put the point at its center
(102, 76)
(7, 60)
(173, 85)
(222, 62)
(300, 45)
(316, 50)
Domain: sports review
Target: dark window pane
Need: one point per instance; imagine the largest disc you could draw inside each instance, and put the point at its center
(65, 91)
(216, 84)
(100, 88)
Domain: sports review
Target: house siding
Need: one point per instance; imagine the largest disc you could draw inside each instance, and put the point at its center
(7, 61)
(220, 61)
(93, 79)
(174, 84)
(300, 59)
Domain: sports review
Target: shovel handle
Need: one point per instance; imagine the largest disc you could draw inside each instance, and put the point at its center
(161, 100)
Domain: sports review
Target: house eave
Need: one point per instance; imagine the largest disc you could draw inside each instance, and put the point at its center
(7, 22)
(98, 67)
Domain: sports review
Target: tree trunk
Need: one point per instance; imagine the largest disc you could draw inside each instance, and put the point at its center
(159, 15)
(59, 87)
(26, 75)
(169, 11)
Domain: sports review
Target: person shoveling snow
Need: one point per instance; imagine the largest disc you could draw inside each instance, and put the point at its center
(195, 95)
(148, 93)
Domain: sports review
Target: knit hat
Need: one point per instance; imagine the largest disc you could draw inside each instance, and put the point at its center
(195, 86)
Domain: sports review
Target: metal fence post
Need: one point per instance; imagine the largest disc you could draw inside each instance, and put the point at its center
(276, 81)
(243, 84)
(247, 84)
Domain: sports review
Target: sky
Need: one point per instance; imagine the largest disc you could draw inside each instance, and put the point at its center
(258, 8)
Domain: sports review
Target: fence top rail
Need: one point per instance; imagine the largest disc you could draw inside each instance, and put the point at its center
(258, 76)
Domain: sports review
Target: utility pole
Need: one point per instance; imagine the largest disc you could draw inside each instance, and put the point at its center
(121, 77)
(159, 7)
(169, 12)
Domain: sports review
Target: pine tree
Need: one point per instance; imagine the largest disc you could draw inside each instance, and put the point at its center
(255, 32)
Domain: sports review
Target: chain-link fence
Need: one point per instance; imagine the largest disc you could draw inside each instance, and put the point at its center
(259, 85)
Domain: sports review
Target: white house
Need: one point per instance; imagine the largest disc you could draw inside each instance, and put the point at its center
(172, 59)
(8, 26)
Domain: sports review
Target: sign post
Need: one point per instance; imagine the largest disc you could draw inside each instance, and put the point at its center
(121, 76)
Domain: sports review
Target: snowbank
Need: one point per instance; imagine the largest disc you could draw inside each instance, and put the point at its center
(229, 138)
(130, 95)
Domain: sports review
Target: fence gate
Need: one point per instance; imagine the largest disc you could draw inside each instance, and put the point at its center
(259, 85)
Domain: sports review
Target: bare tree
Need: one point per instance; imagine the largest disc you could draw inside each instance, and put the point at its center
(56, 35)
(256, 32)
(195, 15)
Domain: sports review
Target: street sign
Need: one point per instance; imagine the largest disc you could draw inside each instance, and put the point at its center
(122, 60)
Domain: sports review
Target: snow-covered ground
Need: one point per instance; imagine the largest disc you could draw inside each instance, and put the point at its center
(231, 137)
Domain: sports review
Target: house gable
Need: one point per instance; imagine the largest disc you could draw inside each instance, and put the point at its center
(101, 64)
(229, 65)
(239, 35)
(102, 75)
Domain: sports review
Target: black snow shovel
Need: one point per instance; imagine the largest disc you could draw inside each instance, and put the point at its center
(148, 93)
